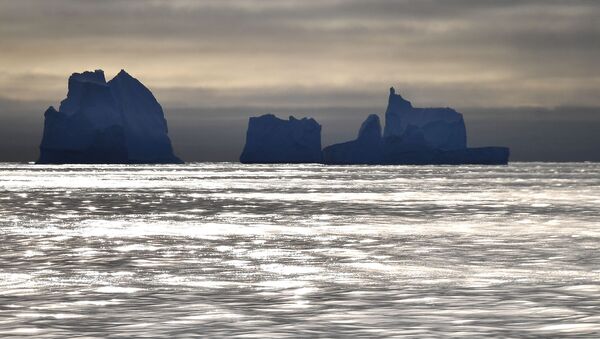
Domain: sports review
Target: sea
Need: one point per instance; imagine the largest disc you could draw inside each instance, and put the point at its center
(227, 250)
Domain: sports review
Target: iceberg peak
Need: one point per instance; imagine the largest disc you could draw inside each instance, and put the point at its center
(370, 128)
(397, 102)
(123, 75)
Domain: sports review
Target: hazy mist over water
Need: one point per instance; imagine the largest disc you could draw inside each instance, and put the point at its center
(230, 250)
(218, 133)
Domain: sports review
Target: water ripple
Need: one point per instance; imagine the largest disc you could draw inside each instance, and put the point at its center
(230, 250)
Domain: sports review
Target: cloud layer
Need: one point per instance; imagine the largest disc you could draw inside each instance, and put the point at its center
(221, 53)
(213, 63)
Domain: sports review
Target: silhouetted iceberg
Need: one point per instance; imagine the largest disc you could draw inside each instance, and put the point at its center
(432, 128)
(99, 122)
(417, 136)
(273, 140)
(366, 149)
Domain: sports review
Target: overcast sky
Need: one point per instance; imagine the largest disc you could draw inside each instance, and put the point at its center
(214, 63)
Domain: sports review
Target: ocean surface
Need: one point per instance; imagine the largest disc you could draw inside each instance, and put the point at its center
(264, 251)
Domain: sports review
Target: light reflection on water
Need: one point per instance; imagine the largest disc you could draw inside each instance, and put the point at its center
(300, 250)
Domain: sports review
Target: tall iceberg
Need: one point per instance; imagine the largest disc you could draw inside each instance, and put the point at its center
(417, 136)
(433, 128)
(99, 122)
(273, 140)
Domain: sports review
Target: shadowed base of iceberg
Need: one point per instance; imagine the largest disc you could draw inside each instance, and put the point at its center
(353, 153)
(107, 147)
(62, 157)
(85, 158)
(350, 154)
(467, 156)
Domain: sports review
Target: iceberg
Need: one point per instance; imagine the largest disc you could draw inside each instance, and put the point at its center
(366, 149)
(273, 140)
(99, 122)
(433, 128)
(414, 136)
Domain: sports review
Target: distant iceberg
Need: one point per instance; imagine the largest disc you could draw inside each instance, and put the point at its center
(273, 140)
(424, 128)
(366, 149)
(116, 122)
(418, 136)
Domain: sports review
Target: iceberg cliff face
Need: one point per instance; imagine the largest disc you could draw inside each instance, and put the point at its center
(99, 122)
(437, 128)
(273, 140)
(418, 136)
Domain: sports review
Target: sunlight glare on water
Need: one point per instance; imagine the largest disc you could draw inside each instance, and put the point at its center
(225, 249)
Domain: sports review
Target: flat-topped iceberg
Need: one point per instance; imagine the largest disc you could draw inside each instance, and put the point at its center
(99, 122)
(412, 135)
(432, 128)
(273, 140)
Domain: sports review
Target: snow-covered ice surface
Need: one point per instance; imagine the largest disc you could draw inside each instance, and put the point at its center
(230, 250)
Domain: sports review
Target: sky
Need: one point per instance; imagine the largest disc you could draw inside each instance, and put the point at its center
(524, 73)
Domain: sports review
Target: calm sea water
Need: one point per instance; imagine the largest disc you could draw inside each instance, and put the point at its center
(230, 250)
